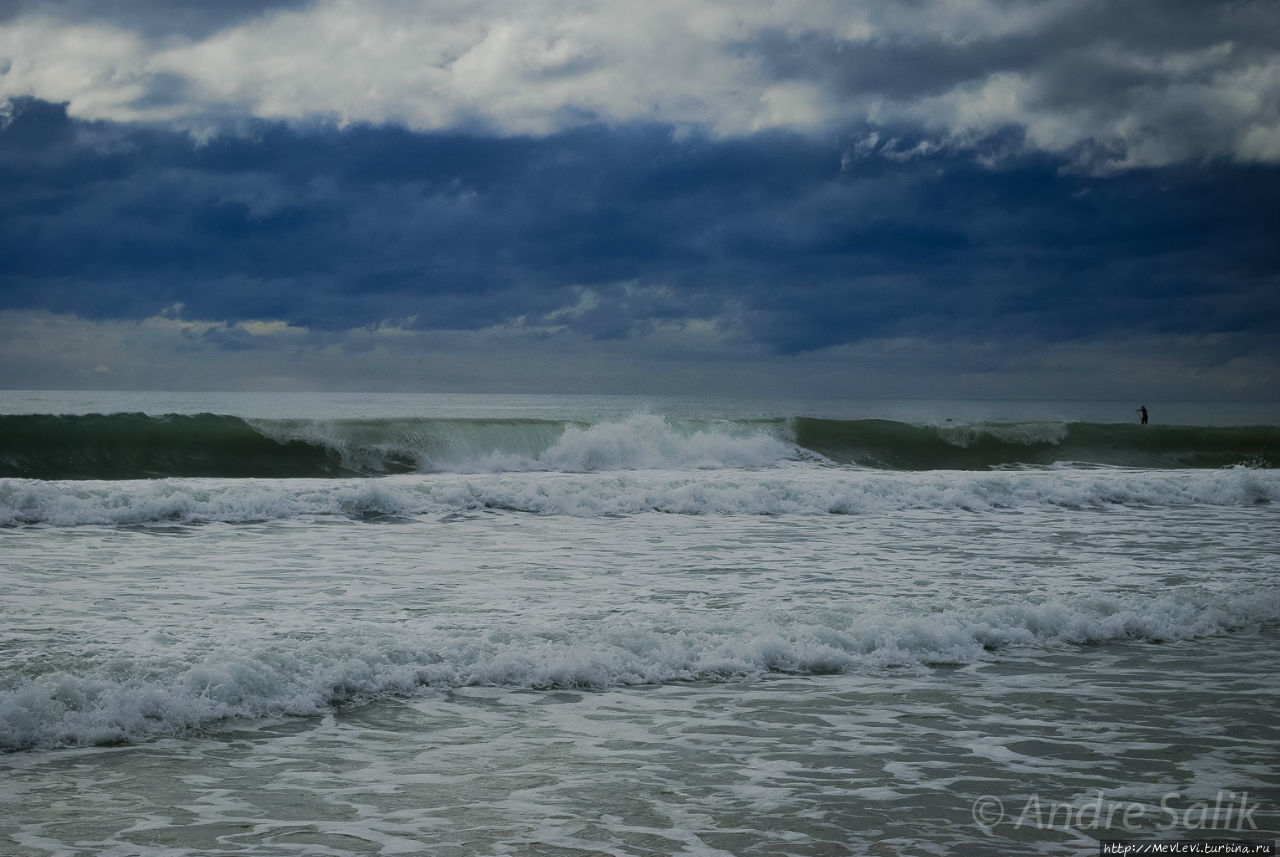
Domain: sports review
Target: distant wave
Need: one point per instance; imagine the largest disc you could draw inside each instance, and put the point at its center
(980, 446)
(165, 684)
(793, 490)
(138, 446)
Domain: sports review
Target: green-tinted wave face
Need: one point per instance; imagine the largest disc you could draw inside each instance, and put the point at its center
(138, 446)
(901, 446)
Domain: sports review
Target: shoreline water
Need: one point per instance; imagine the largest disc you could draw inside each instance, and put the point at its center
(687, 654)
(880, 763)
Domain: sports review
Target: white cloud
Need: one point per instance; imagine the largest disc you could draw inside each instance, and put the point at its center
(540, 66)
(98, 69)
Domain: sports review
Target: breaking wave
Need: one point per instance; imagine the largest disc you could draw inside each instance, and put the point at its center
(166, 685)
(799, 489)
(139, 446)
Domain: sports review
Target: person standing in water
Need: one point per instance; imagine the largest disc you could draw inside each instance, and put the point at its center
(1143, 410)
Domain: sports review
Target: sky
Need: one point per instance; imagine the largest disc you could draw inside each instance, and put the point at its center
(976, 199)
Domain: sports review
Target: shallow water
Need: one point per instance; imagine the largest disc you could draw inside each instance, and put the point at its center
(869, 764)
(792, 658)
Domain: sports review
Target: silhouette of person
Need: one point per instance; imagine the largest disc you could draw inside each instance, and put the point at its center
(1143, 410)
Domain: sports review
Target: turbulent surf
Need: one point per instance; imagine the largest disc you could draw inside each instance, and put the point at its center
(275, 624)
(141, 446)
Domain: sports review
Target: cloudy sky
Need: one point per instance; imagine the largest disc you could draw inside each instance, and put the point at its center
(980, 198)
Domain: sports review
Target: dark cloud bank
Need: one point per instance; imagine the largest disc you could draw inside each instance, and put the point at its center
(1009, 192)
(797, 243)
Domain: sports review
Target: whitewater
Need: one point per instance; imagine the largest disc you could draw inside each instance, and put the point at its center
(565, 625)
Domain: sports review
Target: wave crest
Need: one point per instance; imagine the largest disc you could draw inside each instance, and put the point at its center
(797, 490)
(165, 688)
(138, 446)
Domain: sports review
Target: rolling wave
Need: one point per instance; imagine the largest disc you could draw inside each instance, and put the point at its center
(165, 684)
(902, 446)
(139, 446)
(795, 490)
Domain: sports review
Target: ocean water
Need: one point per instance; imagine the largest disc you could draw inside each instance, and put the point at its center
(522, 625)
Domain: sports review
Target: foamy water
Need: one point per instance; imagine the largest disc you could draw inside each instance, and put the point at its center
(792, 490)
(619, 644)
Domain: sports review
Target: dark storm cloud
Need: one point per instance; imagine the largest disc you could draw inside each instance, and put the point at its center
(1106, 83)
(791, 242)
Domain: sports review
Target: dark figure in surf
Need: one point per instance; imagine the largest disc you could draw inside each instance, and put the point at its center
(1143, 410)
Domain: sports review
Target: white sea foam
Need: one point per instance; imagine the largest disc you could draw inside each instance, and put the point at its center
(644, 441)
(1029, 434)
(781, 652)
(799, 489)
(637, 442)
(163, 687)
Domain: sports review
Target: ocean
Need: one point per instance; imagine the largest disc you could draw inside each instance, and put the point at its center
(556, 625)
